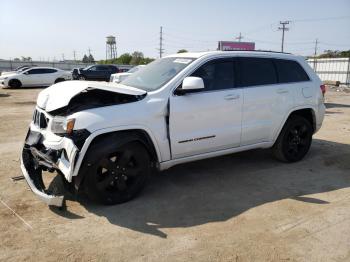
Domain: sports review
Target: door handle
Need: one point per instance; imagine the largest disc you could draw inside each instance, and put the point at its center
(282, 91)
(232, 97)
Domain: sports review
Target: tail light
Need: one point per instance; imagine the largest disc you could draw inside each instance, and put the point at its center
(323, 89)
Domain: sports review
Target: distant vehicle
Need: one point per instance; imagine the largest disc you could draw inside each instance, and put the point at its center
(18, 69)
(95, 72)
(117, 78)
(37, 76)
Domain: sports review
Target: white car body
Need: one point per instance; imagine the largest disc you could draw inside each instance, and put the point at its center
(182, 128)
(36, 76)
(119, 77)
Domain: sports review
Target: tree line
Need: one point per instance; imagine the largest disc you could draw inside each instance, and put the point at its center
(334, 54)
(136, 58)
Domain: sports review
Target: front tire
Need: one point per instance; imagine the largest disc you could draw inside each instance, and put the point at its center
(82, 78)
(116, 174)
(294, 141)
(14, 83)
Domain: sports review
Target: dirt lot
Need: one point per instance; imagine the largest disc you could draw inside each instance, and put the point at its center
(242, 207)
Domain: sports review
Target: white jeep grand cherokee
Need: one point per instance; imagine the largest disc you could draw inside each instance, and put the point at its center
(105, 138)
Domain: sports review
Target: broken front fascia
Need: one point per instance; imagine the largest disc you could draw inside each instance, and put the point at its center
(45, 150)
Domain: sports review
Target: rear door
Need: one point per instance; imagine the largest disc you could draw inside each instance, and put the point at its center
(209, 119)
(50, 75)
(265, 101)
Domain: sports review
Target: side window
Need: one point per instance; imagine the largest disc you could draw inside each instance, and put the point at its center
(49, 71)
(216, 75)
(36, 71)
(102, 68)
(290, 71)
(256, 71)
(93, 68)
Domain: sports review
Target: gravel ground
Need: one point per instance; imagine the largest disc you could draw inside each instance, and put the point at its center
(241, 207)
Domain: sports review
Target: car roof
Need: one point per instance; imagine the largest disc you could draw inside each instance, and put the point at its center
(254, 53)
(43, 67)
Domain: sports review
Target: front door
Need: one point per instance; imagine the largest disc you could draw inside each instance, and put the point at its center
(209, 119)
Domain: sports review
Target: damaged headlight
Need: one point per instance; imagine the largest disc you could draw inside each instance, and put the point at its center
(62, 125)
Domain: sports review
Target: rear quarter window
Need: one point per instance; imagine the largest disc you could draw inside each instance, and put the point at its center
(290, 71)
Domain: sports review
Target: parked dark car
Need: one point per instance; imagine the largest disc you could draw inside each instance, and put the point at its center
(95, 72)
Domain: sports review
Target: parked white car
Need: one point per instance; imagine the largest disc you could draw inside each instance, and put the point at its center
(35, 76)
(105, 138)
(119, 77)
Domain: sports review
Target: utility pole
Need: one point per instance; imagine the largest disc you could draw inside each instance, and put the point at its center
(63, 57)
(239, 37)
(316, 43)
(315, 54)
(161, 50)
(283, 28)
(74, 53)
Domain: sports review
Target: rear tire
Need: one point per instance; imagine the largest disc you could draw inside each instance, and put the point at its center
(294, 141)
(59, 80)
(14, 83)
(116, 173)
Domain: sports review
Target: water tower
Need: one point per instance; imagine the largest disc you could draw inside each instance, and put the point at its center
(111, 47)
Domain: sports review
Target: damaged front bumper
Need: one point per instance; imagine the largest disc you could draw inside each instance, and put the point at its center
(37, 156)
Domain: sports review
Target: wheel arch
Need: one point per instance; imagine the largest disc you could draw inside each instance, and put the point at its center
(308, 112)
(128, 135)
(14, 79)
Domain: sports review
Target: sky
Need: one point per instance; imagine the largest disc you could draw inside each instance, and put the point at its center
(44, 29)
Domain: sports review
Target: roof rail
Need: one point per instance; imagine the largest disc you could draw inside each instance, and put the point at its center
(263, 51)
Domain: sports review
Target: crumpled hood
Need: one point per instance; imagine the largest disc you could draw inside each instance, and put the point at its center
(59, 95)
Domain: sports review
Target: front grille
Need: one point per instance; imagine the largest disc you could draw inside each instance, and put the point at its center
(39, 119)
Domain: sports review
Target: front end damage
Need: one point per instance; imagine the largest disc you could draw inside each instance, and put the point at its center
(37, 157)
(53, 144)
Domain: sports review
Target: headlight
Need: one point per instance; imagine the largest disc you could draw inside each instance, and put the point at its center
(62, 125)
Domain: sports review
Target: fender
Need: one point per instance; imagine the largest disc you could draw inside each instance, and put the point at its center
(279, 129)
(103, 131)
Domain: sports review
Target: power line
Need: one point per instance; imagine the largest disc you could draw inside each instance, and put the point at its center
(321, 19)
(283, 28)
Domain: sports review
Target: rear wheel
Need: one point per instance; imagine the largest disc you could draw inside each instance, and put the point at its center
(59, 80)
(294, 141)
(117, 175)
(14, 83)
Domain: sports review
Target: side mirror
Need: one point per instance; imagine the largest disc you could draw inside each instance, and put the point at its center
(192, 83)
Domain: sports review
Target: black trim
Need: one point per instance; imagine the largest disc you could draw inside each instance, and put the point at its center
(196, 139)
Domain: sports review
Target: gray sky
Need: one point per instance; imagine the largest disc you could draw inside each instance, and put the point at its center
(47, 29)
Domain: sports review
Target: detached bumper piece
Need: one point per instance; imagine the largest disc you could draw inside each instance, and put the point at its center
(34, 160)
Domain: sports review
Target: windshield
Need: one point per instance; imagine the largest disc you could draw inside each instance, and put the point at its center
(134, 69)
(157, 73)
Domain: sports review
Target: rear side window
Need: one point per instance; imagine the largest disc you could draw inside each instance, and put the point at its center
(49, 70)
(216, 75)
(290, 71)
(256, 71)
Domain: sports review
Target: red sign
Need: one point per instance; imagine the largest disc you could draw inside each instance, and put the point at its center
(231, 45)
